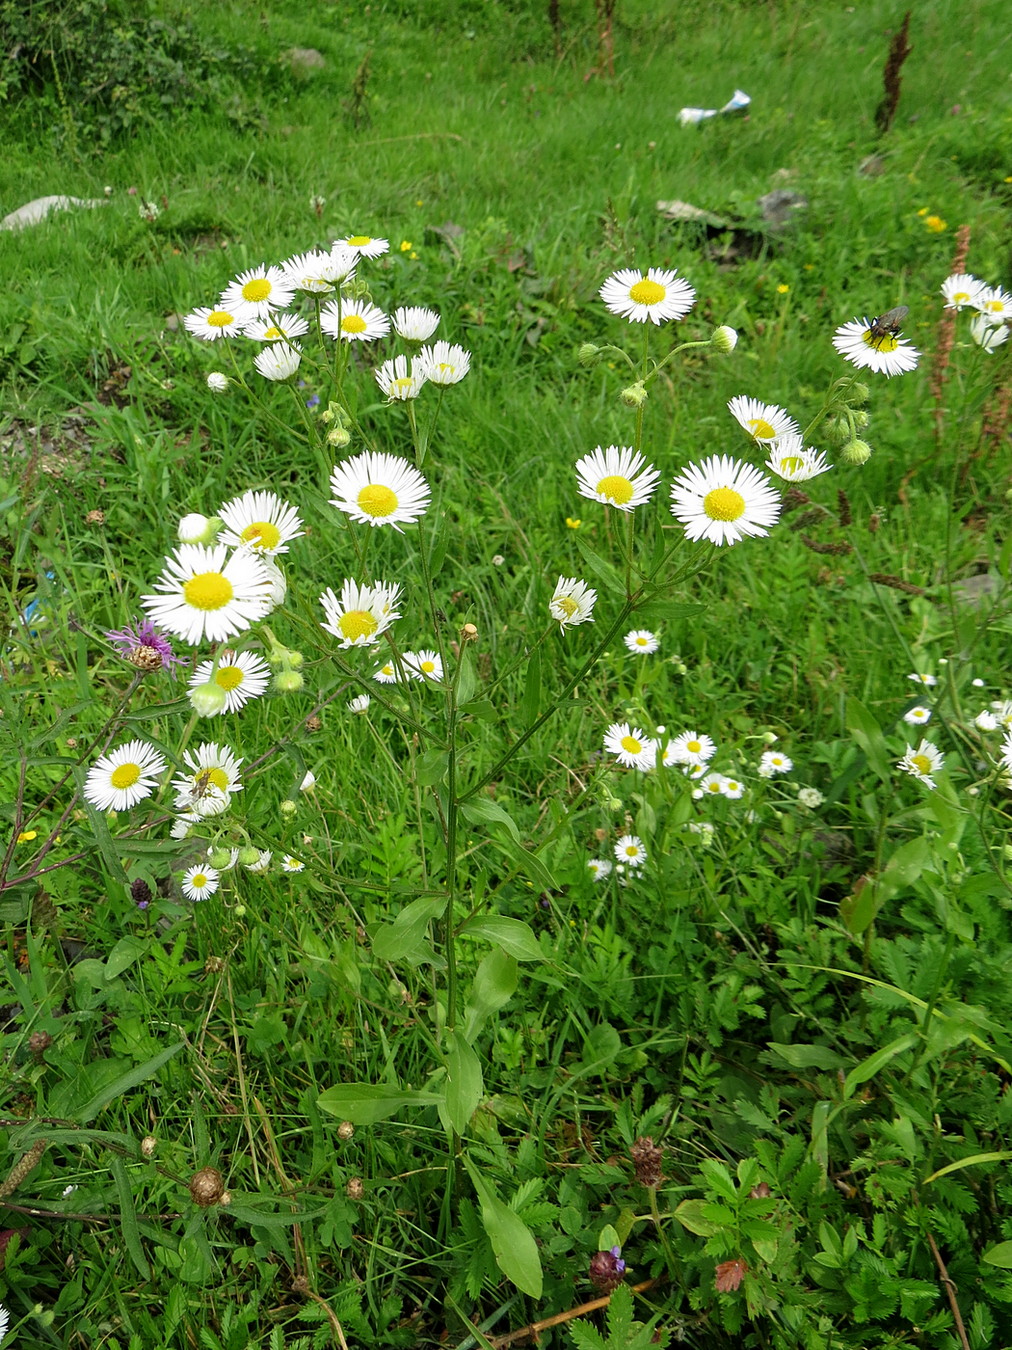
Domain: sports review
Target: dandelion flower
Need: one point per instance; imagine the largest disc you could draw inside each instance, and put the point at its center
(290, 864)
(618, 477)
(204, 593)
(656, 295)
(242, 676)
(365, 246)
(424, 665)
(279, 361)
(641, 642)
(917, 716)
(790, 461)
(211, 324)
(143, 646)
(994, 304)
(400, 381)
(918, 678)
(599, 868)
(212, 769)
(362, 614)
(889, 354)
(124, 777)
(630, 746)
(413, 323)
(764, 422)
(277, 328)
(961, 290)
(987, 335)
(259, 521)
(630, 851)
(693, 749)
(723, 500)
(261, 290)
(200, 881)
(774, 762)
(354, 321)
(572, 602)
(379, 489)
(444, 363)
(921, 763)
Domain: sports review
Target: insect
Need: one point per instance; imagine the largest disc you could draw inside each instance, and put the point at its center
(887, 325)
(203, 785)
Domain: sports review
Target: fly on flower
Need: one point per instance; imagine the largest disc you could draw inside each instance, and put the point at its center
(887, 325)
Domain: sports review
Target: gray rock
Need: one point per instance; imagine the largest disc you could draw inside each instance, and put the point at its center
(778, 206)
(33, 213)
(303, 60)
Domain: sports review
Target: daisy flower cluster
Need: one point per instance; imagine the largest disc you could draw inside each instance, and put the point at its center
(991, 307)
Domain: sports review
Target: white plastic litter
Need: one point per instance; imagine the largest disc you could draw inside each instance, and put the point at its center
(34, 212)
(690, 116)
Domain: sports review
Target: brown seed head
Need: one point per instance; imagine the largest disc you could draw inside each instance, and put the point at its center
(95, 518)
(314, 723)
(345, 1130)
(647, 1159)
(207, 1187)
(606, 1271)
(144, 658)
(469, 633)
(148, 1145)
(354, 1189)
(214, 965)
(38, 1043)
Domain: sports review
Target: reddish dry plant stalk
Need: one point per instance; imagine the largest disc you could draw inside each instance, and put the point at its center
(896, 583)
(947, 336)
(838, 550)
(843, 508)
(899, 50)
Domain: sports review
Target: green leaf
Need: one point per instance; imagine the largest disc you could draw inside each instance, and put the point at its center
(973, 1161)
(690, 1215)
(495, 983)
(530, 704)
(868, 735)
(600, 567)
(123, 955)
(484, 811)
(430, 768)
(128, 1217)
(125, 1083)
(367, 1103)
(719, 1180)
(464, 1084)
(807, 1056)
(397, 940)
(467, 677)
(660, 611)
(513, 1245)
(513, 935)
(869, 1067)
(1000, 1256)
(529, 864)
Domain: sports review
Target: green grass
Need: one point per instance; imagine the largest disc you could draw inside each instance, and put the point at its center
(814, 998)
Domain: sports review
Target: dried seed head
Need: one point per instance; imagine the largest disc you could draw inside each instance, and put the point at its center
(468, 633)
(38, 1043)
(314, 723)
(207, 1187)
(148, 1145)
(140, 892)
(214, 965)
(607, 1270)
(95, 518)
(354, 1189)
(760, 1192)
(647, 1159)
(345, 1130)
(144, 658)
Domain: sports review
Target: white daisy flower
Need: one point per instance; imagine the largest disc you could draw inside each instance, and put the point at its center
(242, 675)
(279, 361)
(5, 1319)
(918, 678)
(341, 262)
(354, 321)
(1003, 711)
(400, 380)
(308, 781)
(259, 521)
(1005, 753)
(277, 328)
(985, 721)
(641, 642)
(630, 851)
(572, 602)
(986, 334)
(764, 422)
(962, 289)
(693, 749)
(261, 290)
(630, 746)
(617, 476)
(262, 863)
(918, 716)
(213, 772)
(200, 881)
(656, 295)
(414, 323)
(667, 755)
(921, 763)
(359, 704)
(723, 500)
(290, 864)
(362, 614)
(444, 362)
(994, 303)
(790, 461)
(310, 272)
(124, 777)
(599, 868)
(423, 665)
(204, 593)
(226, 864)
(732, 789)
(379, 489)
(217, 382)
(889, 354)
(710, 785)
(213, 323)
(366, 246)
(387, 674)
(773, 761)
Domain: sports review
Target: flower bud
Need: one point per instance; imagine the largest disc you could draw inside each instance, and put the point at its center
(338, 437)
(288, 682)
(588, 355)
(207, 700)
(207, 1187)
(192, 529)
(858, 394)
(635, 395)
(220, 858)
(856, 453)
(288, 807)
(249, 855)
(148, 1145)
(345, 1130)
(217, 382)
(724, 339)
(607, 1270)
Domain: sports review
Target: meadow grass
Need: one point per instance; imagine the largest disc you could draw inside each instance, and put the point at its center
(421, 1065)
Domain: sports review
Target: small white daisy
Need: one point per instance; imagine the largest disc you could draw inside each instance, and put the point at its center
(987, 335)
(1003, 711)
(444, 363)
(790, 461)
(994, 304)
(630, 851)
(362, 614)
(217, 382)
(723, 500)
(764, 422)
(359, 704)
(354, 321)
(259, 521)
(399, 379)
(200, 881)
(918, 716)
(365, 245)
(124, 777)
(308, 781)
(710, 785)
(290, 864)
(424, 665)
(691, 748)
(278, 328)
(1005, 753)
(888, 355)
(572, 602)
(309, 272)
(962, 289)
(617, 476)
(630, 746)
(986, 720)
(773, 761)
(213, 323)
(921, 763)
(414, 323)
(212, 768)
(242, 675)
(379, 489)
(340, 262)
(732, 789)
(656, 295)
(599, 868)
(641, 642)
(279, 361)
(387, 674)
(261, 290)
(918, 678)
(262, 863)
(205, 593)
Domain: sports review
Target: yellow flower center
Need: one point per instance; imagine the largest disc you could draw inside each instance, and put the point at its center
(921, 763)
(388, 669)
(791, 464)
(207, 591)
(357, 623)
(445, 368)
(198, 881)
(960, 297)
(567, 604)
(761, 429)
(615, 488)
(427, 667)
(261, 534)
(360, 241)
(631, 851)
(229, 677)
(353, 323)
(125, 775)
(693, 747)
(631, 745)
(256, 290)
(724, 503)
(220, 318)
(886, 343)
(213, 777)
(274, 332)
(641, 642)
(376, 499)
(994, 306)
(713, 787)
(403, 383)
(647, 292)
